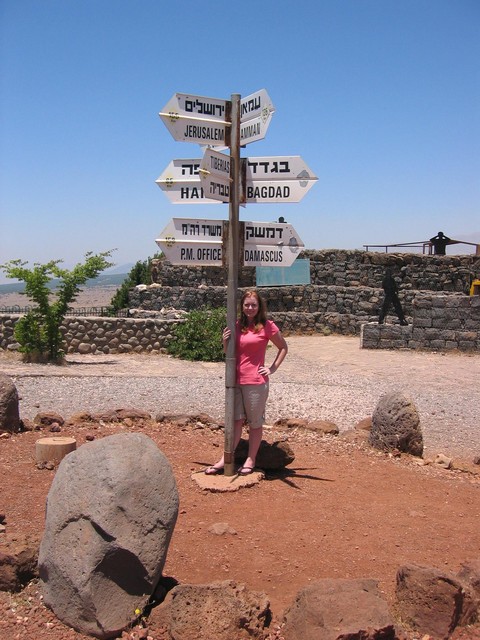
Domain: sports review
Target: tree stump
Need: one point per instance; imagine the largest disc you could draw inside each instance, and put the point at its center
(54, 449)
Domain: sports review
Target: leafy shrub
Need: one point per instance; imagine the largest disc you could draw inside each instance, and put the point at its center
(200, 336)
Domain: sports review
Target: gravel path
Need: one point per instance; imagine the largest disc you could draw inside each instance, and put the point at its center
(328, 378)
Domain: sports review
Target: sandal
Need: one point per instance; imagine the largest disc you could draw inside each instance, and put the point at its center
(245, 471)
(213, 471)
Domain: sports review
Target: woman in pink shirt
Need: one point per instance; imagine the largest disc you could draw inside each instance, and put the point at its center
(253, 332)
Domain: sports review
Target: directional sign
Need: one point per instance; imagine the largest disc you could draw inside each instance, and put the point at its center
(278, 168)
(207, 121)
(276, 179)
(256, 104)
(197, 119)
(199, 242)
(215, 175)
(256, 112)
(193, 242)
(270, 244)
(181, 182)
(271, 233)
(266, 179)
(185, 105)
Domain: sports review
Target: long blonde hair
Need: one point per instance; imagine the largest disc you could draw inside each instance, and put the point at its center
(261, 317)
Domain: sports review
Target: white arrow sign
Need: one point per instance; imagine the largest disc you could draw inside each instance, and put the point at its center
(199, 242)
(277, 190)
(277, 179)
(197, 119)
(215, 175)
(270, 244)
(278, 168)
(193, 242)
(181, 182)
(256, 104)
(207, 121)
(200, 107)
(267, 179)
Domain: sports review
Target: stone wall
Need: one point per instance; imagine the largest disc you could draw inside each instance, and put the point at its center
(102, 335)
(339, 309)
(439, 323)
(344, 297)
(344, 268)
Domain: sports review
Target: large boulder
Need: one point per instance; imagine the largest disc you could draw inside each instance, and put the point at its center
(434, 602)
(111, 511)
(396, 425)
(9, 411)
(332, 609)
(221, 610)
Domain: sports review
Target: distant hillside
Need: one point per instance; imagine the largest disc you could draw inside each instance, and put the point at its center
(103, 280)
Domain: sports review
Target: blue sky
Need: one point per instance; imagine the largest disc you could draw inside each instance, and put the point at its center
(381, 98)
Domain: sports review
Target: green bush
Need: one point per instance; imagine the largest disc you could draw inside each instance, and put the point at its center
(200, 336)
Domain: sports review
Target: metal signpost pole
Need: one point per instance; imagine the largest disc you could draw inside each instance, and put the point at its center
(232, 265)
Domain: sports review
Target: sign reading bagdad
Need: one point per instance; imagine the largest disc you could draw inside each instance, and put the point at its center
(196, 242)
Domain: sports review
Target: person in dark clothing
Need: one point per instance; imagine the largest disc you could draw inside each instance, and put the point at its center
(391, 297)
(439, 242)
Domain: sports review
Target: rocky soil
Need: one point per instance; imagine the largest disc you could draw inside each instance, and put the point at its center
(340, 510)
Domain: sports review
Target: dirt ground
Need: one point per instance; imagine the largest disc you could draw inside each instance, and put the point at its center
(341, 510)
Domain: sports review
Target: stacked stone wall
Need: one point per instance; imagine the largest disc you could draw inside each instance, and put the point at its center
(439, 323)
(345, 268)
(102, 335)
(344, 297)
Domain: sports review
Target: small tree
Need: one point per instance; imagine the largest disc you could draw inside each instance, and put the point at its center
(38, 332)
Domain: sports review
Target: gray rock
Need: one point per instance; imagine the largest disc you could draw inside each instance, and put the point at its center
(434, 602)
(331, 609)
(9, 411)
(111, 511)
(396, 425)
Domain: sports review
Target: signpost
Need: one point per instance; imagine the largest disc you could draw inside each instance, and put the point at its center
(218, 177)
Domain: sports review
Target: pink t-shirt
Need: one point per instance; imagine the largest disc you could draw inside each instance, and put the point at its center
(251, 348)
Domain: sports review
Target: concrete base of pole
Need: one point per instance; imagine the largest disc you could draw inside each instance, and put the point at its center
(221, 483)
